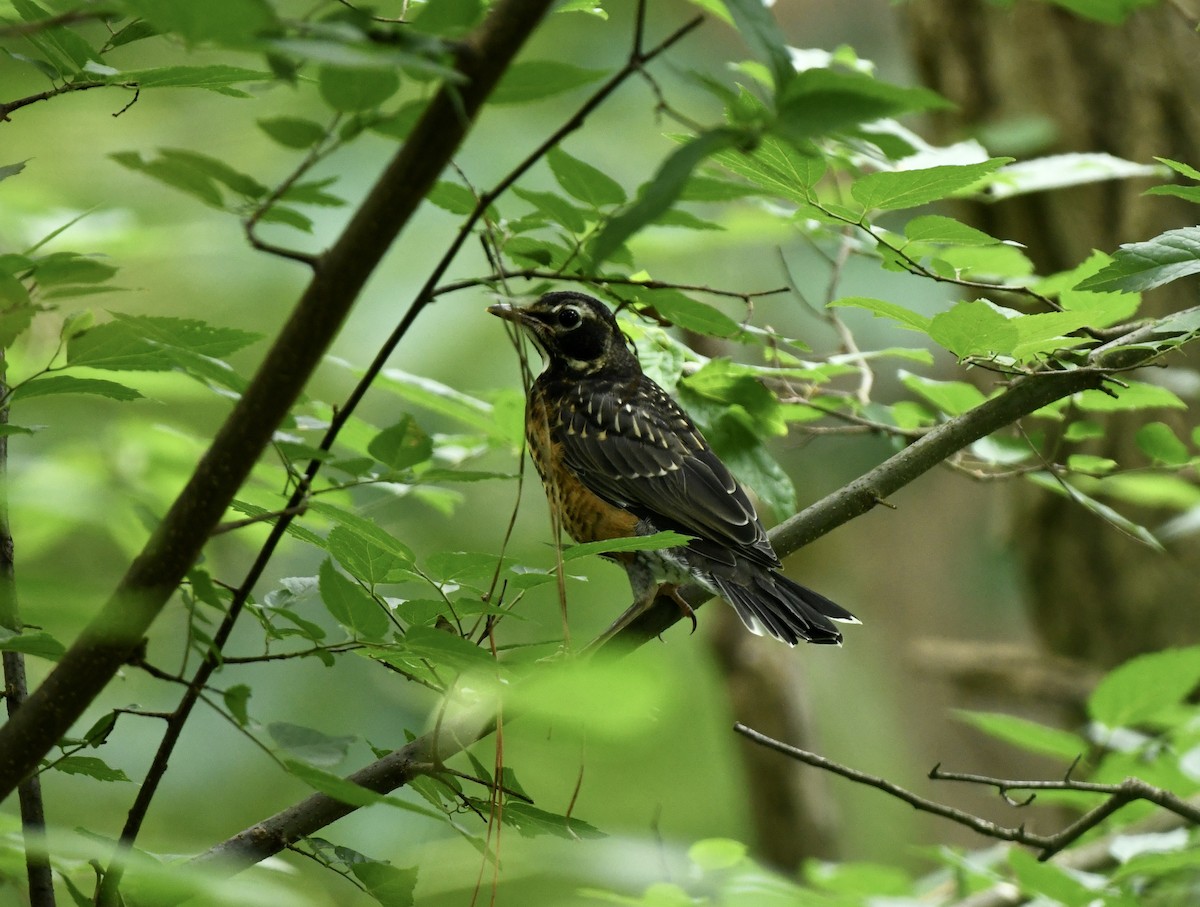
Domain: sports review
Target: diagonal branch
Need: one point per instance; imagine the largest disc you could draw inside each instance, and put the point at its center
(113, 635)
(634, 628)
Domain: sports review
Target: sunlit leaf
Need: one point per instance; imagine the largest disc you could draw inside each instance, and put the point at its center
(48, 385)
(1145, 686)
(886, 309)
(974, 329)
(891, 190)
(1144, 265)
(1029, 735)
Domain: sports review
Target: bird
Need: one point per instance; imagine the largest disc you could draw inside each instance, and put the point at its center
(619, 458)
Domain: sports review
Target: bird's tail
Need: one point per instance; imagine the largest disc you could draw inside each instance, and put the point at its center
(773, 604)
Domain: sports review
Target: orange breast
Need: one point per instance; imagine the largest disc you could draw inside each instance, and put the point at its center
(584, 516)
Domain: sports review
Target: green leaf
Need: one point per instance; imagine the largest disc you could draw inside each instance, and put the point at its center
(70, 268)
(351, 90)
(819, 101)
(332, 785)
(365, 559)
(536, 79)
(1110, 12)
(936, 228)
(48, 385)
(38, 643)
(974, 329)
(152, 343)
(440, 398)
(1058, 171)
(216, 76)
(293, 132)
(689, 313)
(884, 309)
(1145, 687)
(14, 322)
(776, 167)
(448, 17)
(401, 445)
(761, 32)
(237, 697)
(387, 884)
(716, 854)
(1144, 265)
(231, 22)
(662, 191)
(583, 181)
(176, 174)
(653, 542)
(531, 822)
(350, 606)
(12, 169)
(364, 529)
(952, 397)
(891, 190)
(308, 744)
(1135, 395)
(1158, 441)
(1028, 735)
(1043, 880)
(555, 207)
(444, 648)
(453, 198)
(1118, 521)
(90, 766)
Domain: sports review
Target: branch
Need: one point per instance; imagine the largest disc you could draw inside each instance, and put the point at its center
(1119, 795)
(114, 634)
(33, 813)
(638, 626)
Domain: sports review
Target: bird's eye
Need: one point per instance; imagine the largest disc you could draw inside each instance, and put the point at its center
(569, 317)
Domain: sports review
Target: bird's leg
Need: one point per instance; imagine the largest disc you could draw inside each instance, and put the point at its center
(671, 591)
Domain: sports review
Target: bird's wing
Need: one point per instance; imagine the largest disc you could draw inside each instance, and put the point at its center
(632, 445)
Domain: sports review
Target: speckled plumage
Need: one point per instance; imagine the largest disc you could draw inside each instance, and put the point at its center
(618, 457)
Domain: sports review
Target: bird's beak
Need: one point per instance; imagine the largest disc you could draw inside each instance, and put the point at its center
(510, 312)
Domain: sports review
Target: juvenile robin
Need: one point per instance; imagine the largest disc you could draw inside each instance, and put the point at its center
(619, 458)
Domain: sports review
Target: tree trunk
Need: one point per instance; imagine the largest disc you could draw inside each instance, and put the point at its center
(1129, 90)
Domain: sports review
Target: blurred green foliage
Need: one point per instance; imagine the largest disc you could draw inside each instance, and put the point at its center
(133, 309)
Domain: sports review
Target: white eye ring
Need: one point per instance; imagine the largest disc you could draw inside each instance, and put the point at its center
(569, 317)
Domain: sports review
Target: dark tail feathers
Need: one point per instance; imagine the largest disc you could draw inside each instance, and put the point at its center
(773, 604)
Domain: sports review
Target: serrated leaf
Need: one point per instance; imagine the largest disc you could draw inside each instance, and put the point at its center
(1144, 265)
(70, 268)
(938, 229)
(776, 167)
(440, 398)
(1028, 735)
(689, 313)
(1145, 687)
(653, 542)
(892, 190)
(531, 822)
(401, 445)
(820, 101)
(91, 766)
(48, 385)
(452, 197)
(363, 528)
(555, 207)
(758, 28)
(884, 309)
(445, 648)
(974, 329)
(152, 343)
(660, 193)
(583, 181)
(365, 559)
(534, 80)
(352, 90)
(292, 132)
(387, 884)
(350, 606)
(309, 744)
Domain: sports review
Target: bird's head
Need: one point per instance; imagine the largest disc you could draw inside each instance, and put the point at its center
(577, 335)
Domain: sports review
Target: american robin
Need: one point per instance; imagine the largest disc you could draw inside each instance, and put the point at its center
(620, 458)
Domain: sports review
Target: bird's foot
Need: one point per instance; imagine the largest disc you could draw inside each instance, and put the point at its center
(671, 591)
